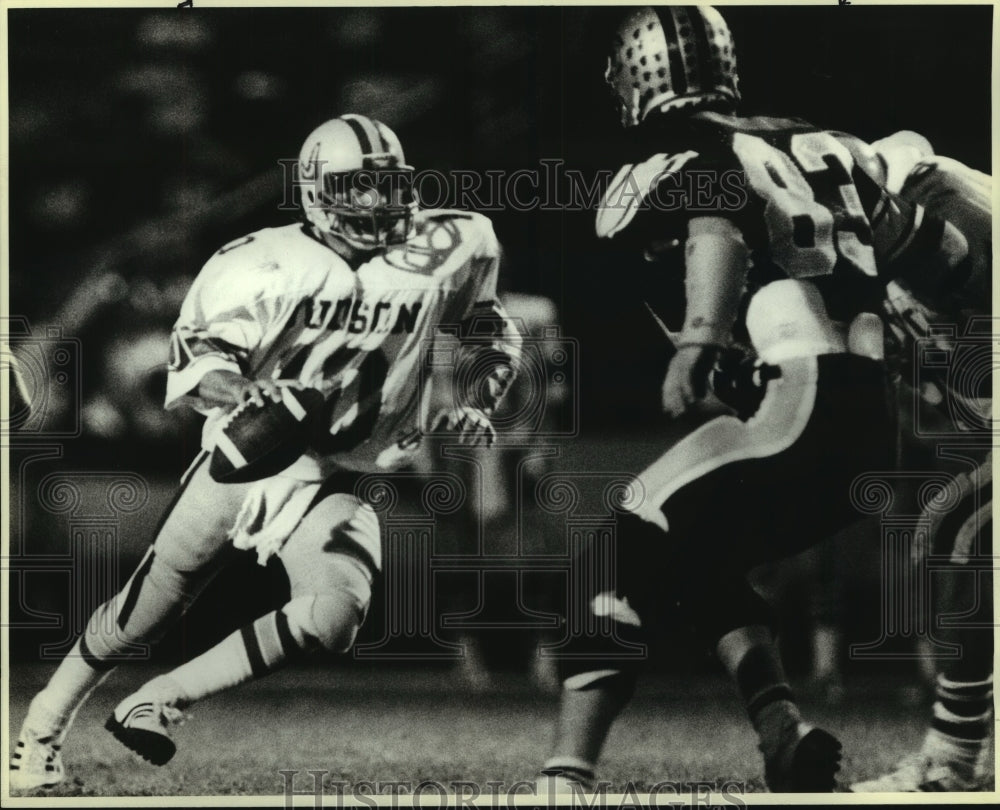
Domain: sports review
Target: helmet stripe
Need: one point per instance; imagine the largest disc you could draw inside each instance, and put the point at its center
(369, 127)
(678, 77)
(359, 132)
(699, 63)
(381, 137)
(702, 49)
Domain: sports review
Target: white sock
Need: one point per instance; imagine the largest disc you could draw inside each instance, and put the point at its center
(53, 709)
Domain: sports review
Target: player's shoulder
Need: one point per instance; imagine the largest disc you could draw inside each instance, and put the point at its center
(289, 248)
(271, 262)
(285, 243)
(674, 176)
(462, 230)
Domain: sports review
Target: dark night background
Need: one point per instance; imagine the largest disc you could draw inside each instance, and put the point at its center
(130, 130)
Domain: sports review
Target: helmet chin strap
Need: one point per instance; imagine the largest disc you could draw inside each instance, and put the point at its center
(630, 112)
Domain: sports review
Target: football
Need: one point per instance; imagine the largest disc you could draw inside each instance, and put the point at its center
(257, 441)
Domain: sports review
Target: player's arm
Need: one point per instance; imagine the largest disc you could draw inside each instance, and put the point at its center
(222, 388)
(493, 340)
(952, 191)
(487, 331)
(912, 244)
(490, 335)
(222, 322)
(715, 275)
(926, 252)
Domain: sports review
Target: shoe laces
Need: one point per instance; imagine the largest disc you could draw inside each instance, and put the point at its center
(173, 715)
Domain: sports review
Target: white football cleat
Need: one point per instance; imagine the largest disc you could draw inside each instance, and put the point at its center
(142, 722)
(561, 778)
(919, 773)
(35, 763)
(555, 789)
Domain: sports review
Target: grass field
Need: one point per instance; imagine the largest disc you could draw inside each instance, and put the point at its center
(374, 725)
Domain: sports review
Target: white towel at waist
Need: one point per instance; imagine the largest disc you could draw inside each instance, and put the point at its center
(271, 511)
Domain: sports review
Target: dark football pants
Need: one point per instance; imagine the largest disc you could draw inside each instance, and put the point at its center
(330, 568)
(733, 495)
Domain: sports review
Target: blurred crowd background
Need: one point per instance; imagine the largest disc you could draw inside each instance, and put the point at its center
(142, 141)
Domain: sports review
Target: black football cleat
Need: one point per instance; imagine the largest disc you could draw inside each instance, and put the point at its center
(807, 764)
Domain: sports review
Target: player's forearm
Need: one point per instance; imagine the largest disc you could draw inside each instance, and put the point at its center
(496, 342)
(222, 388)
(934, 261)
(715, 274)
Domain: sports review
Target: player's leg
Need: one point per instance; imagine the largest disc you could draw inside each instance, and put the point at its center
(598, 668)
(185, 554)
(331, 559)
(683, 511)
(760, 496)
(954, 754)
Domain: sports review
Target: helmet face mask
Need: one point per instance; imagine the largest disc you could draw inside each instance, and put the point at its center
(370, 208)
(356, 185)
(671, 58)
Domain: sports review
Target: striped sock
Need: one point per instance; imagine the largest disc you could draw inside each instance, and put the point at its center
(253, 651)
(767, 697)
(963, 709)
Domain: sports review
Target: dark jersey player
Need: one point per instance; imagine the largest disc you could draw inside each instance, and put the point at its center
(786, 242)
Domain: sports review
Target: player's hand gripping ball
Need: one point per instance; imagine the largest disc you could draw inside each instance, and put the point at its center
(257, 440)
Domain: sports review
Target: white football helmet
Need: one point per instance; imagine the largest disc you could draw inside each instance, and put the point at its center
(356, 184)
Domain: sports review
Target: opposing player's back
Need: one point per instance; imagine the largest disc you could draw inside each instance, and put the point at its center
(805, 200)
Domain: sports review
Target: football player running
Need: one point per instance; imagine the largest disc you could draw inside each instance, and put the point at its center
(346, 303)
(786, 241)
(955, 752)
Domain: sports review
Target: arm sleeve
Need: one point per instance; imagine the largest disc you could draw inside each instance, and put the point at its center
(714, 279)
(223, 321)
(914, 246)
(486, 332)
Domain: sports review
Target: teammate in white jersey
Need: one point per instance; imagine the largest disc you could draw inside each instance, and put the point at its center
(955, 753)
(346, 302)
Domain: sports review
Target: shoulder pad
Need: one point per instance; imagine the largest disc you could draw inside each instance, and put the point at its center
(631, 186)
(436, 214)
(475, 228)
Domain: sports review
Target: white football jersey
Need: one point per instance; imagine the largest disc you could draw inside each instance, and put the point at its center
(280, 304)
(963, 196)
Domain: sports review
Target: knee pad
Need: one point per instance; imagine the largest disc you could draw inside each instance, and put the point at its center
(327, 621)
(620, 682)
(608, 643)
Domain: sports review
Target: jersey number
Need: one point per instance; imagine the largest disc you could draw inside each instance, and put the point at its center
(806, 238)
(353, 410)
(352, 418)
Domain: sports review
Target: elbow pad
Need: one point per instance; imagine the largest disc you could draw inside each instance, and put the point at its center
(715, 274)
